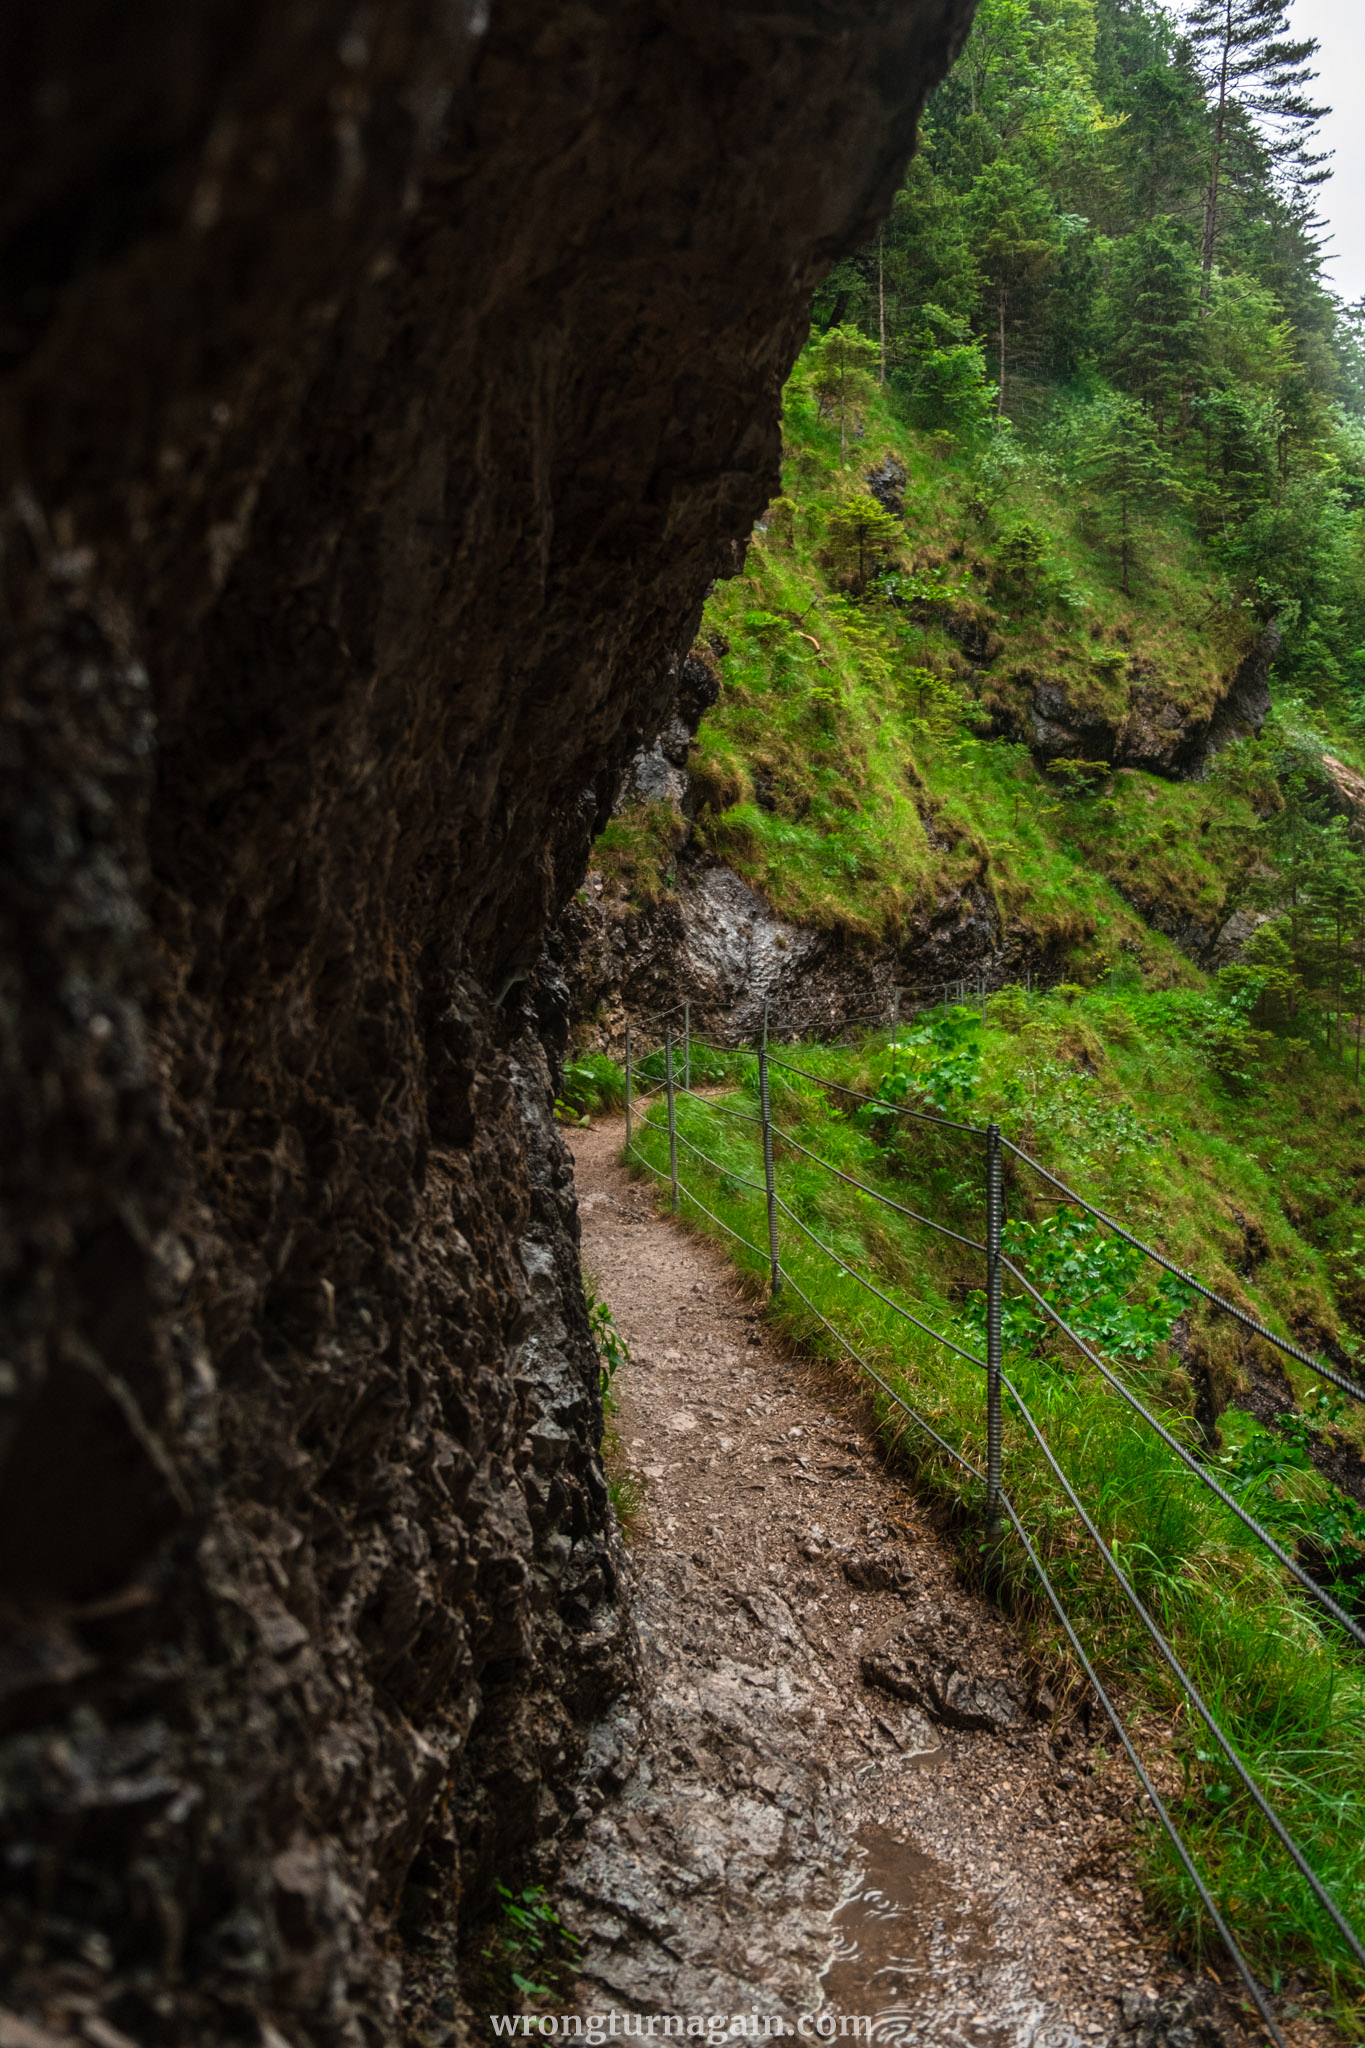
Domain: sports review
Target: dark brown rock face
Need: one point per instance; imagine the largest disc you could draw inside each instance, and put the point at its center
(1152, 731)
(381, 388)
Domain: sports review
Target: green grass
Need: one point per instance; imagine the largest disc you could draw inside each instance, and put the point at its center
(847, 770)
(1291, 1697)
(593, 1084)
(865, 764)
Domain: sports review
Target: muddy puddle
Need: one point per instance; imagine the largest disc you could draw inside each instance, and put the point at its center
(927, 1961)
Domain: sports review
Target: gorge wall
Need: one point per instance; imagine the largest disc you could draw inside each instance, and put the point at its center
(381, 388)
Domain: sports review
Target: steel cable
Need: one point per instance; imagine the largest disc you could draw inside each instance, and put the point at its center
(1252, 1985)
(1318, 1366)
(726, 1172)
(873, 1374)
(885, 1200)
(891, 1108)
(1244, 1971)
(1285, 1839)
(1158, 1805)
(1325, 1372)
(719, 1221)
(895, 1306)
(1282, 1835)
(742, 1115)
(639, 1094)
(1310, 1585)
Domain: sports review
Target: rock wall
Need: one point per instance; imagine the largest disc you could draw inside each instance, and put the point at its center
(1139, 721)
(380, 388)
(712, 941)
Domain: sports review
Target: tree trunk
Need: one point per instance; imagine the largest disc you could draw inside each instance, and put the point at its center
(1000, 403)
(1215, 170)
(881, 304)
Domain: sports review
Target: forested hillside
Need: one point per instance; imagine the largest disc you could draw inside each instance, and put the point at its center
(1045, 673)
(1078, 641)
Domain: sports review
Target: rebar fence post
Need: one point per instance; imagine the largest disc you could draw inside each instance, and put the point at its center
(627, 1088)
(994, 1347)
(983, 995)
(687, 1045)
(895, 1022)
(672, 1115)
(769, 1179)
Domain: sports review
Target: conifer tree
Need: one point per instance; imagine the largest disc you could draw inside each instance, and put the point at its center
(862, 538)
(845, 366)
(1121, 459)
(1155, 303)
(1017, 241)
(1254, 67)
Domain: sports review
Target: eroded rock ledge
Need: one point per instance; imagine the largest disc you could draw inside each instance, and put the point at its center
(381, 390)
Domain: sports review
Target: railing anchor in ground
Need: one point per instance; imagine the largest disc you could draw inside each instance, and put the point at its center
(769, 1179)
(995, 1520)
(672, 1116)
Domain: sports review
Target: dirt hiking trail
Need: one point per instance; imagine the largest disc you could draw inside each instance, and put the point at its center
(788, 1836)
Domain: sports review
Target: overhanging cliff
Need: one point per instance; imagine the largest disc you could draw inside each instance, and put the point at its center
(382, 388)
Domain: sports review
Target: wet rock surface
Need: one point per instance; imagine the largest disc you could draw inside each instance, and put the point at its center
(787, 1836)
(715, 942)
(380, 392)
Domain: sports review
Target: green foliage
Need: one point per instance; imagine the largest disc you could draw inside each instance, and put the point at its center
(1272, 1474)
(593, 1085)
(942, 1060)
(1154, 351)
(1078, 778)
(861, 540)
(624, 1486)
(532, 1953)
(1102, 1287)
(1017, 239)
(1021, 555)
(612, 1348)
(842, 377)
(941, 368)
(1120, 459)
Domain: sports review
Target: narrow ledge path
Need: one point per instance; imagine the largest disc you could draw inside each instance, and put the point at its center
(786, 1837)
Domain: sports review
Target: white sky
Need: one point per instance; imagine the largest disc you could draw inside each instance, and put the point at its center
(1339, 26)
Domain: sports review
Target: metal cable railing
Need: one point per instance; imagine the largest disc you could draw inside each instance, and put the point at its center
(1317, 1365)
(922, 1116)
(1192, 1464)
(1229, 1308)
(973, 1244)
(1182, 1676)
(885, 1299)
(1000, 1510)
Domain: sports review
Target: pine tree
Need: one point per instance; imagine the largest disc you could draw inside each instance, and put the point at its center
(1254, 67)
(1121, 459)
(1155, 302)
(1017, 243)
(845, 378)
(861, 539)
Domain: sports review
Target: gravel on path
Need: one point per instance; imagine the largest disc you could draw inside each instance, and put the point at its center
(786, 1837)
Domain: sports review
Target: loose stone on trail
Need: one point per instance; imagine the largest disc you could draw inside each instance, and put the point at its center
(845, 1793)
